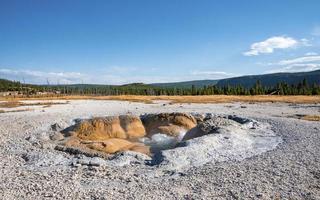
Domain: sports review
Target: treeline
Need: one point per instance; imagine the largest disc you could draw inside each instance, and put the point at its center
(282, 88)
(16, 86)
(6, 85)
(302, 88)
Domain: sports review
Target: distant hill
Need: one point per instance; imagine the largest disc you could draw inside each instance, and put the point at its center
(248, 81)
(269, 80)
(272, 79)
(186, 84)
(98, 86)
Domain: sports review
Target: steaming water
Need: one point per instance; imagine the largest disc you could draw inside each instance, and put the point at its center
(160, 141)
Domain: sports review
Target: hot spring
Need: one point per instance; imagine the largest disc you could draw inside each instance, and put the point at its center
(170, 139)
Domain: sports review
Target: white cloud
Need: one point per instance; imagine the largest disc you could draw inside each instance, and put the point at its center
(305, 42)
(278, 42)
(40, 77)
(120, 80)
(212, 74)
(113, 75)
(311, 54)
(132, 78)
(305, 63)
(305, 59)
(303, 67)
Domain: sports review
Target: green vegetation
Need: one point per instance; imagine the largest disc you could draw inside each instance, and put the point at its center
(15, 86)
(302, 83)
(6, 85)
(282, 88)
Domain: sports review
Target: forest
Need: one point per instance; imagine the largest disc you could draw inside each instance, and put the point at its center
(282, 88)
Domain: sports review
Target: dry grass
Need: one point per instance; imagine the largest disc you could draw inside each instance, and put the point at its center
(13, 111)
(186, 99)
(306, 117)
(248, 99)
(15, 103)
(10, 104)
(311, 117)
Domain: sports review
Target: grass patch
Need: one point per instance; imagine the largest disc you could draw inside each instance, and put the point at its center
(185, 99)
(306, 117)
(13, 111)
(15, 104)
(311, 117)
(10, 104)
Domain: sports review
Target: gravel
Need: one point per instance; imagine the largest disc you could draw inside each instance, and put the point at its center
(31, 168)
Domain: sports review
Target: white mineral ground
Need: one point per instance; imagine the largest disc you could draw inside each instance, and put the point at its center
(277, 159)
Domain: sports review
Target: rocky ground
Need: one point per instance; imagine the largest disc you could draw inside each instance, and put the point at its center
(32, 169)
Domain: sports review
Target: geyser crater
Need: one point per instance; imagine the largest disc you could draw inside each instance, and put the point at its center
(168, 140)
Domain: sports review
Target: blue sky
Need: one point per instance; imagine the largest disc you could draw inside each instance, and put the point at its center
(123, 41)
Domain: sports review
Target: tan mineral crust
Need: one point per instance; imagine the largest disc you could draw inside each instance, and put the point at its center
(114, 134)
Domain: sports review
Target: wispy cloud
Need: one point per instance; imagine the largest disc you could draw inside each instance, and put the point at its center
(40, 77)
(304, 67)
(278, 42)
(305, 63)
(305, 59)
(119, 80)
(112, 75)
(212, 74)
(311, 54)
(305, 42)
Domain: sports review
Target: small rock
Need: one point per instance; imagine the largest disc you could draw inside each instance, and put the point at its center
(57, 136)
(259, 195)
(43, 136)
(56, 127)
(47, 145)
(96, 161)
